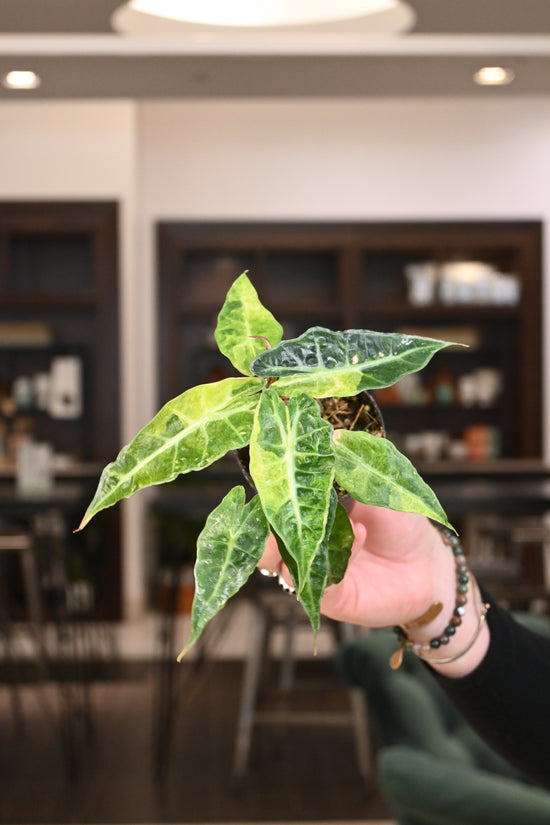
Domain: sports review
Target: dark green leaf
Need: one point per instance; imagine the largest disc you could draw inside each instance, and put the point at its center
(373, 471)
(228, 551)
(325, 363)
(243, 316)
(339, 546)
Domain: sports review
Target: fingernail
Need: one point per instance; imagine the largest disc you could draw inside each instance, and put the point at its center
(286, 587)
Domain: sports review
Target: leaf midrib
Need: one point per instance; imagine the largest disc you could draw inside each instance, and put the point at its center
(176, 438)
(347, 368)
(291, 478)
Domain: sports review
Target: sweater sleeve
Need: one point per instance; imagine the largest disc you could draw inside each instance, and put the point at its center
(506, 698)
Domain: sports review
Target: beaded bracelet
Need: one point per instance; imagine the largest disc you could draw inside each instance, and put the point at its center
(462, 581)
(481, 621)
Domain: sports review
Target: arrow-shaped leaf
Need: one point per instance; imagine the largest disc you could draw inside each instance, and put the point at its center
(329, 563)
(292, 464)
(241, 318)
(189, 433)
(228, 551)
(373, 471)
(325, 363)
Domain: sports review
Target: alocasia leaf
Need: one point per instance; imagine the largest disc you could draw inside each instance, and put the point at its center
(330, 562)
(325, 363)
(373, 471)
(328, 565)
(228, 550)
(189, 433)
(242, 317)
(313, 587)
(292, 464)
(314, 584)
(340, 540)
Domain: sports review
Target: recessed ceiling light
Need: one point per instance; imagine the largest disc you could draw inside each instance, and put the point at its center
(494, 76)
(267, 13)
(19, 79)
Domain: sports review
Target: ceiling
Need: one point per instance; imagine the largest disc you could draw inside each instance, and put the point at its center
(72, 46)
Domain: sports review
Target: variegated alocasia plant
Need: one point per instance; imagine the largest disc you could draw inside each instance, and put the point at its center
(296, 457)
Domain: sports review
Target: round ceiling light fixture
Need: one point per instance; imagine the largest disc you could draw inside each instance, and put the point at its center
(21, 79)
(157, 16)
(494, 76)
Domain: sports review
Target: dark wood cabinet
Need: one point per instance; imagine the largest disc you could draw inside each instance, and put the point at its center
(59, 299)
(357, 275)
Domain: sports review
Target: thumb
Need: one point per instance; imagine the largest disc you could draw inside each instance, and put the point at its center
(360, 533)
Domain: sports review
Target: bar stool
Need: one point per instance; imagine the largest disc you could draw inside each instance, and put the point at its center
(21, 543)
(273, 610)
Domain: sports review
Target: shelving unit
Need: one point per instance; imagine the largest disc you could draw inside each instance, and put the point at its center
(59, 297)
(353, 276)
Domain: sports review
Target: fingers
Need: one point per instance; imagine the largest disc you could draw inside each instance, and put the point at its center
(341, 601)
(360, 532)
(271, 564)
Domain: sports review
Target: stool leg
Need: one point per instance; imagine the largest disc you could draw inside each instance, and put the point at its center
(286, 678)
(12, 680)
(245, 719)
(34, 603)
(32, 588)
(359, 714)
(361, 734)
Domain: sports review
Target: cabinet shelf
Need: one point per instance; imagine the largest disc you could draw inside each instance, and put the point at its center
(352, 275)
(437, 313)
(36, 305)
(437, 409)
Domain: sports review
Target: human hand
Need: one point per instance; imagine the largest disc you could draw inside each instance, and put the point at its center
(399, 566)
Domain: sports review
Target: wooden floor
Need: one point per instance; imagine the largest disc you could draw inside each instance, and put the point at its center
(296, 774)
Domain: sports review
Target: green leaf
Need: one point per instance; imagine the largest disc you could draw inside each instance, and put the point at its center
(340, 541)
(325, 363)
(315, 582)
(287, 558)
(373, 471)
(189, 433)
(292, 464)
(313, 587)
(228, 551)
(243, 316)
(328, 565)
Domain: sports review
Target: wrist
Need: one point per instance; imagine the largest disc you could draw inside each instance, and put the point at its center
(452, 635)
(469, 645)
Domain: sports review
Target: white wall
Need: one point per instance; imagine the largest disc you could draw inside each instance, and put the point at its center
(346, 158)
(65, 150)
(280, 159)
(349, 159)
